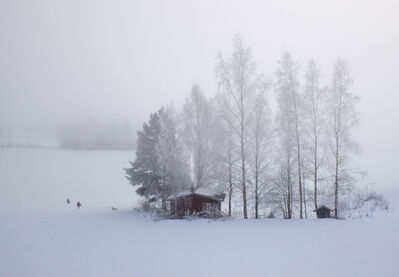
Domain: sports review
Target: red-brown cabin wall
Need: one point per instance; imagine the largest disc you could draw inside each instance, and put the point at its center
(194, 203)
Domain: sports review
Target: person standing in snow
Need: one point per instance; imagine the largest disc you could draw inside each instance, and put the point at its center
(68, 201)
(78, 204)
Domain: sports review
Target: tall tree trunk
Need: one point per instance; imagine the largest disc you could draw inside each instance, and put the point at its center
(163, 189)
(298, 148)
(244, 189)
(299, 164)
(230, 196)
(304, 197)
(285, 208)
(337, 153)
(315, 174)
(336, 178)
(289, 187)
(300, 181)
(230, 186)
(243, 171)
(257, 164)
(230, 168)
(256, 197)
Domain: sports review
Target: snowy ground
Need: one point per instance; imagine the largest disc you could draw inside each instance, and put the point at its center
(39, 180)
(41, 236)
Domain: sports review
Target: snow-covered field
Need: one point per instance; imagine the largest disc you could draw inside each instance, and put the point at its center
(37, 181)
(41, 236)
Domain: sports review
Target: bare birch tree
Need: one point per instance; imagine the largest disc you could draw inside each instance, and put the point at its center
(172, 165)
(259, 148)
(314, 123)
(342, 118)
(284, 179)
(239, 81)
(288, 89)
(226, 154)
(197, 135)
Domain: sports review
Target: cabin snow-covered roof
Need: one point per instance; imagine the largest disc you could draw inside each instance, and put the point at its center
(323, 207)
(207, 193)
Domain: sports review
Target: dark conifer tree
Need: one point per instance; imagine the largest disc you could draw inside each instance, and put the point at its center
(144, 171)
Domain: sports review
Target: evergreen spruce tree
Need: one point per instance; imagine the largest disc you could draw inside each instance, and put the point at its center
(144, 171)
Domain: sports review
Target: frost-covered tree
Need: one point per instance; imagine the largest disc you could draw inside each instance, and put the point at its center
(287, 85)
(145, 171)
(282, 189)
(342, 117)
(259, 147)
(226, 158)
(172, 165)
(285, 158)
(198, 132)
(159, 168)
(239, 84)
(314, 116)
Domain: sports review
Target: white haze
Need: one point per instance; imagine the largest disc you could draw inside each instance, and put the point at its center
(60, 59)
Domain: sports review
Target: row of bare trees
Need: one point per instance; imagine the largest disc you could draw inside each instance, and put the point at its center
(267, 157)
(264, 140)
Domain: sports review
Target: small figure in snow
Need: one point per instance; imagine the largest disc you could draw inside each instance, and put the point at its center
(113, 209)
(78, 204)
(68, 201)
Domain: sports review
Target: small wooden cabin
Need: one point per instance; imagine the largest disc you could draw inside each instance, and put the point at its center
(323, 212)
(196, 201)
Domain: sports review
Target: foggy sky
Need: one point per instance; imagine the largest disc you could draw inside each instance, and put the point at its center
(65, 58)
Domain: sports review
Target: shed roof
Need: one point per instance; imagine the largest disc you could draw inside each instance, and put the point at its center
(323, 207)
(203, 192)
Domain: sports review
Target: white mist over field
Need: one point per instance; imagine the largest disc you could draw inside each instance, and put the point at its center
(64, 61)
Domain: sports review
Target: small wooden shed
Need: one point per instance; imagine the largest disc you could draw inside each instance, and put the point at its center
(323, 212)
(195, 202)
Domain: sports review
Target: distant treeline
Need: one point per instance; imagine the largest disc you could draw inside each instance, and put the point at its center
(94, 133)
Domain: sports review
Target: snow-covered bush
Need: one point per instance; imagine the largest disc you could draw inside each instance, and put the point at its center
(362, 203)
